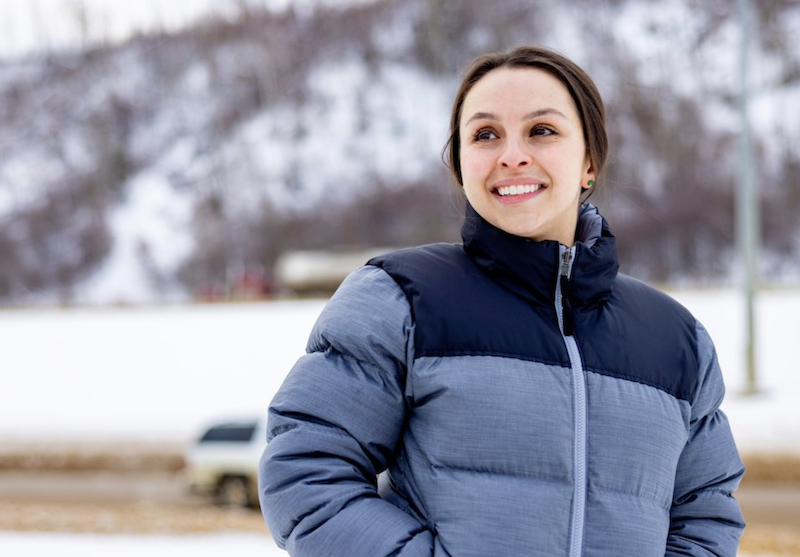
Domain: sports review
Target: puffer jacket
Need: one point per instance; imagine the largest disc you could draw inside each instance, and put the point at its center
(512, 398)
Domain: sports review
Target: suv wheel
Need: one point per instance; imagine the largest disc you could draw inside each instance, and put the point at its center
(234, 492)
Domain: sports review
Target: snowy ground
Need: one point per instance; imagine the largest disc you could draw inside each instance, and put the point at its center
(156, 373)
(74, 545)
(85, 545)
(161, 373)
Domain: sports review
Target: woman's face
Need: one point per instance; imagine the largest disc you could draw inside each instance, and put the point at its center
(523, 158)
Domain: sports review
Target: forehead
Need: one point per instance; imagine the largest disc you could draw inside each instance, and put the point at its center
(509, 91)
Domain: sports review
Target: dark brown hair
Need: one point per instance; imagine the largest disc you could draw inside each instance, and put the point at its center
(580, 86)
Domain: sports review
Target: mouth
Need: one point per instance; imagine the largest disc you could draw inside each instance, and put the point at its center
(518, 189)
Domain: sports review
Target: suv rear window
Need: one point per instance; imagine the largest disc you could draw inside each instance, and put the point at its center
(233, 432)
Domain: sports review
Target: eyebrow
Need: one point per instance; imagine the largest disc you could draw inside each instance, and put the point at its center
(530, 116)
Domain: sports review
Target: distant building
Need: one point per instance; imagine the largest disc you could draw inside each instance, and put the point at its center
(319, 273)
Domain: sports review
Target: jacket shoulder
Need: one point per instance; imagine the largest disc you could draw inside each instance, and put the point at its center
(639, 292)
(459, 310)
(424, 272)
(414, 262)
(645, 336)
(367, 318)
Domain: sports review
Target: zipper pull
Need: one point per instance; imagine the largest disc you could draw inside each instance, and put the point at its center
(566, 305)
(566, 259)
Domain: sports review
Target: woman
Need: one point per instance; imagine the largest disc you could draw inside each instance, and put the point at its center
(516, 395)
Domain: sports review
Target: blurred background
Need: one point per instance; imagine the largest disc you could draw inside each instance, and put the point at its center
(182, 184)
(175, 163)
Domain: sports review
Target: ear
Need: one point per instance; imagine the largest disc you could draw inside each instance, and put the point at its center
(588, 177)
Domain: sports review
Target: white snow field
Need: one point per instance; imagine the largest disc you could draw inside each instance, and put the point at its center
(91, 545)
(161, 373)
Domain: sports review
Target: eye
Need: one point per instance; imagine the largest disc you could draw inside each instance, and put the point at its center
(484, 134)
(542, 130)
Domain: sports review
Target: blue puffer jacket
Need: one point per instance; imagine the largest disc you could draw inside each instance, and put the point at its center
(523, 399)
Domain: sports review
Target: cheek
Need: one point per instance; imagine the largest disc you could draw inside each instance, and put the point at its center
(474, 165)
(564, 166)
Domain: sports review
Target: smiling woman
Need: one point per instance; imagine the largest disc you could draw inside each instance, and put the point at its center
(514, 394)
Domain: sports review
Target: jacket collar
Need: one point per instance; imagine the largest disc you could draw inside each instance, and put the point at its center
(530, 269)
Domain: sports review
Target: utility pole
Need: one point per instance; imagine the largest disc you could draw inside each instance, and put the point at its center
(747, 202)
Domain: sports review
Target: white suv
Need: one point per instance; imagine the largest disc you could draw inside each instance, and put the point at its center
(223, 463)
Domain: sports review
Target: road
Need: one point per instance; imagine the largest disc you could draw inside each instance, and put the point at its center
(147, 502)
(113, 502)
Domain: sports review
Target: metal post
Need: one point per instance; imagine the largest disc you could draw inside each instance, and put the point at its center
(747, 206)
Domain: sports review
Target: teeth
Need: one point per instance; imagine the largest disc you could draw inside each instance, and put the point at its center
(517, 190)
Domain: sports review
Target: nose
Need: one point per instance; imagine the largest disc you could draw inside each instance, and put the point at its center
(514, 155)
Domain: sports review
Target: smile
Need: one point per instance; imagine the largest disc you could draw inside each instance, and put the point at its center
(520, 189)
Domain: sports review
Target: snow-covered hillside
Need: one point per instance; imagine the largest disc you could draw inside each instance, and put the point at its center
(143, 171)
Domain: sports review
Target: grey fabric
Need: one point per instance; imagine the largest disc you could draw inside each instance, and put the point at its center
(334, 425)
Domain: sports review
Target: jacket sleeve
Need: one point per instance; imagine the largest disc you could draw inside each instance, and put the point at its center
(333, 426)
(705, 519)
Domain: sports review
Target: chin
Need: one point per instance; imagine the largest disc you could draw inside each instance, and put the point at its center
(518, 226)
(522, 231)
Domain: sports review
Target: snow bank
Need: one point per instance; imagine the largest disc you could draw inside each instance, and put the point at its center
(91, 545)
(156, 373)
(162, 373)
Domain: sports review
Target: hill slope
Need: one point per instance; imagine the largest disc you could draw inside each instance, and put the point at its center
(155, 169)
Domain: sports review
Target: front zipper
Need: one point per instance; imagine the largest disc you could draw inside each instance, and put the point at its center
(565, 323)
